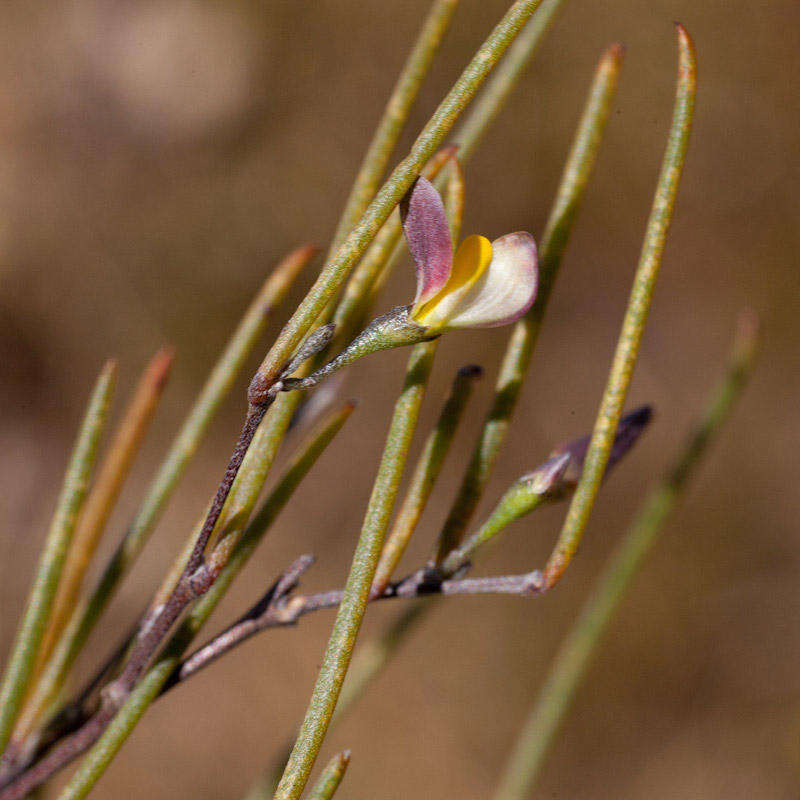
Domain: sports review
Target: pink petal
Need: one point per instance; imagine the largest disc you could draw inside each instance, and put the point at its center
(428, 236)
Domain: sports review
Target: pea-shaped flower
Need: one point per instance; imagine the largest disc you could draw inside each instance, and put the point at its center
(483, 285)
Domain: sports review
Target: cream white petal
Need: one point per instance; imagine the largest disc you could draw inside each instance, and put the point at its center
(506, 289)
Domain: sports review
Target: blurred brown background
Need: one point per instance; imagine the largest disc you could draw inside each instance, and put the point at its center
(157, 157)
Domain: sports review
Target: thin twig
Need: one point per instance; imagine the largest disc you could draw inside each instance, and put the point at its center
(197, 576)
(152, 683)
(274, 599)
(635, 316)
(571, 662)
(254, 454)
(177, 459)
(279, 609)
(51, 562)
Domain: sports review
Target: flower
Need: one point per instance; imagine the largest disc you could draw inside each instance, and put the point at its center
(483, 285)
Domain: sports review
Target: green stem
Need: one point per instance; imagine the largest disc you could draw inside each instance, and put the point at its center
(635, 316)
(398, 183)
(378, 653)
(523, 497)
(51, 562)
(573, 657)
(394, 117)
(155, 679)
(356, 592)
(183, 447)
(517, 358)
(515, 503)
(370, 659)
(331, 777)
(495, 94)
(426, 472)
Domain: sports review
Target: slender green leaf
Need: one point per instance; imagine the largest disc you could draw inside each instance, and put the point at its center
(51, 562)
(572, 660)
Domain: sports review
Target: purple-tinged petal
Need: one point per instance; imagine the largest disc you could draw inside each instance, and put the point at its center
(428, 235)
(505, 290)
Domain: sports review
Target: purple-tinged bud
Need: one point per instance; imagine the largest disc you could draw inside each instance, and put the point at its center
(629, 429)
(550, 481)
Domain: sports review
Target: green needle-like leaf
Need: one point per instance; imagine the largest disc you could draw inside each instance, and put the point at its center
(54, 554)
(635, 317)
(517, 358)
(357, 589)
(331, 777)
(573, 657)
(182, 449)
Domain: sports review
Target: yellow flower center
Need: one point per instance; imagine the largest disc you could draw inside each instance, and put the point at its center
(470, 261)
